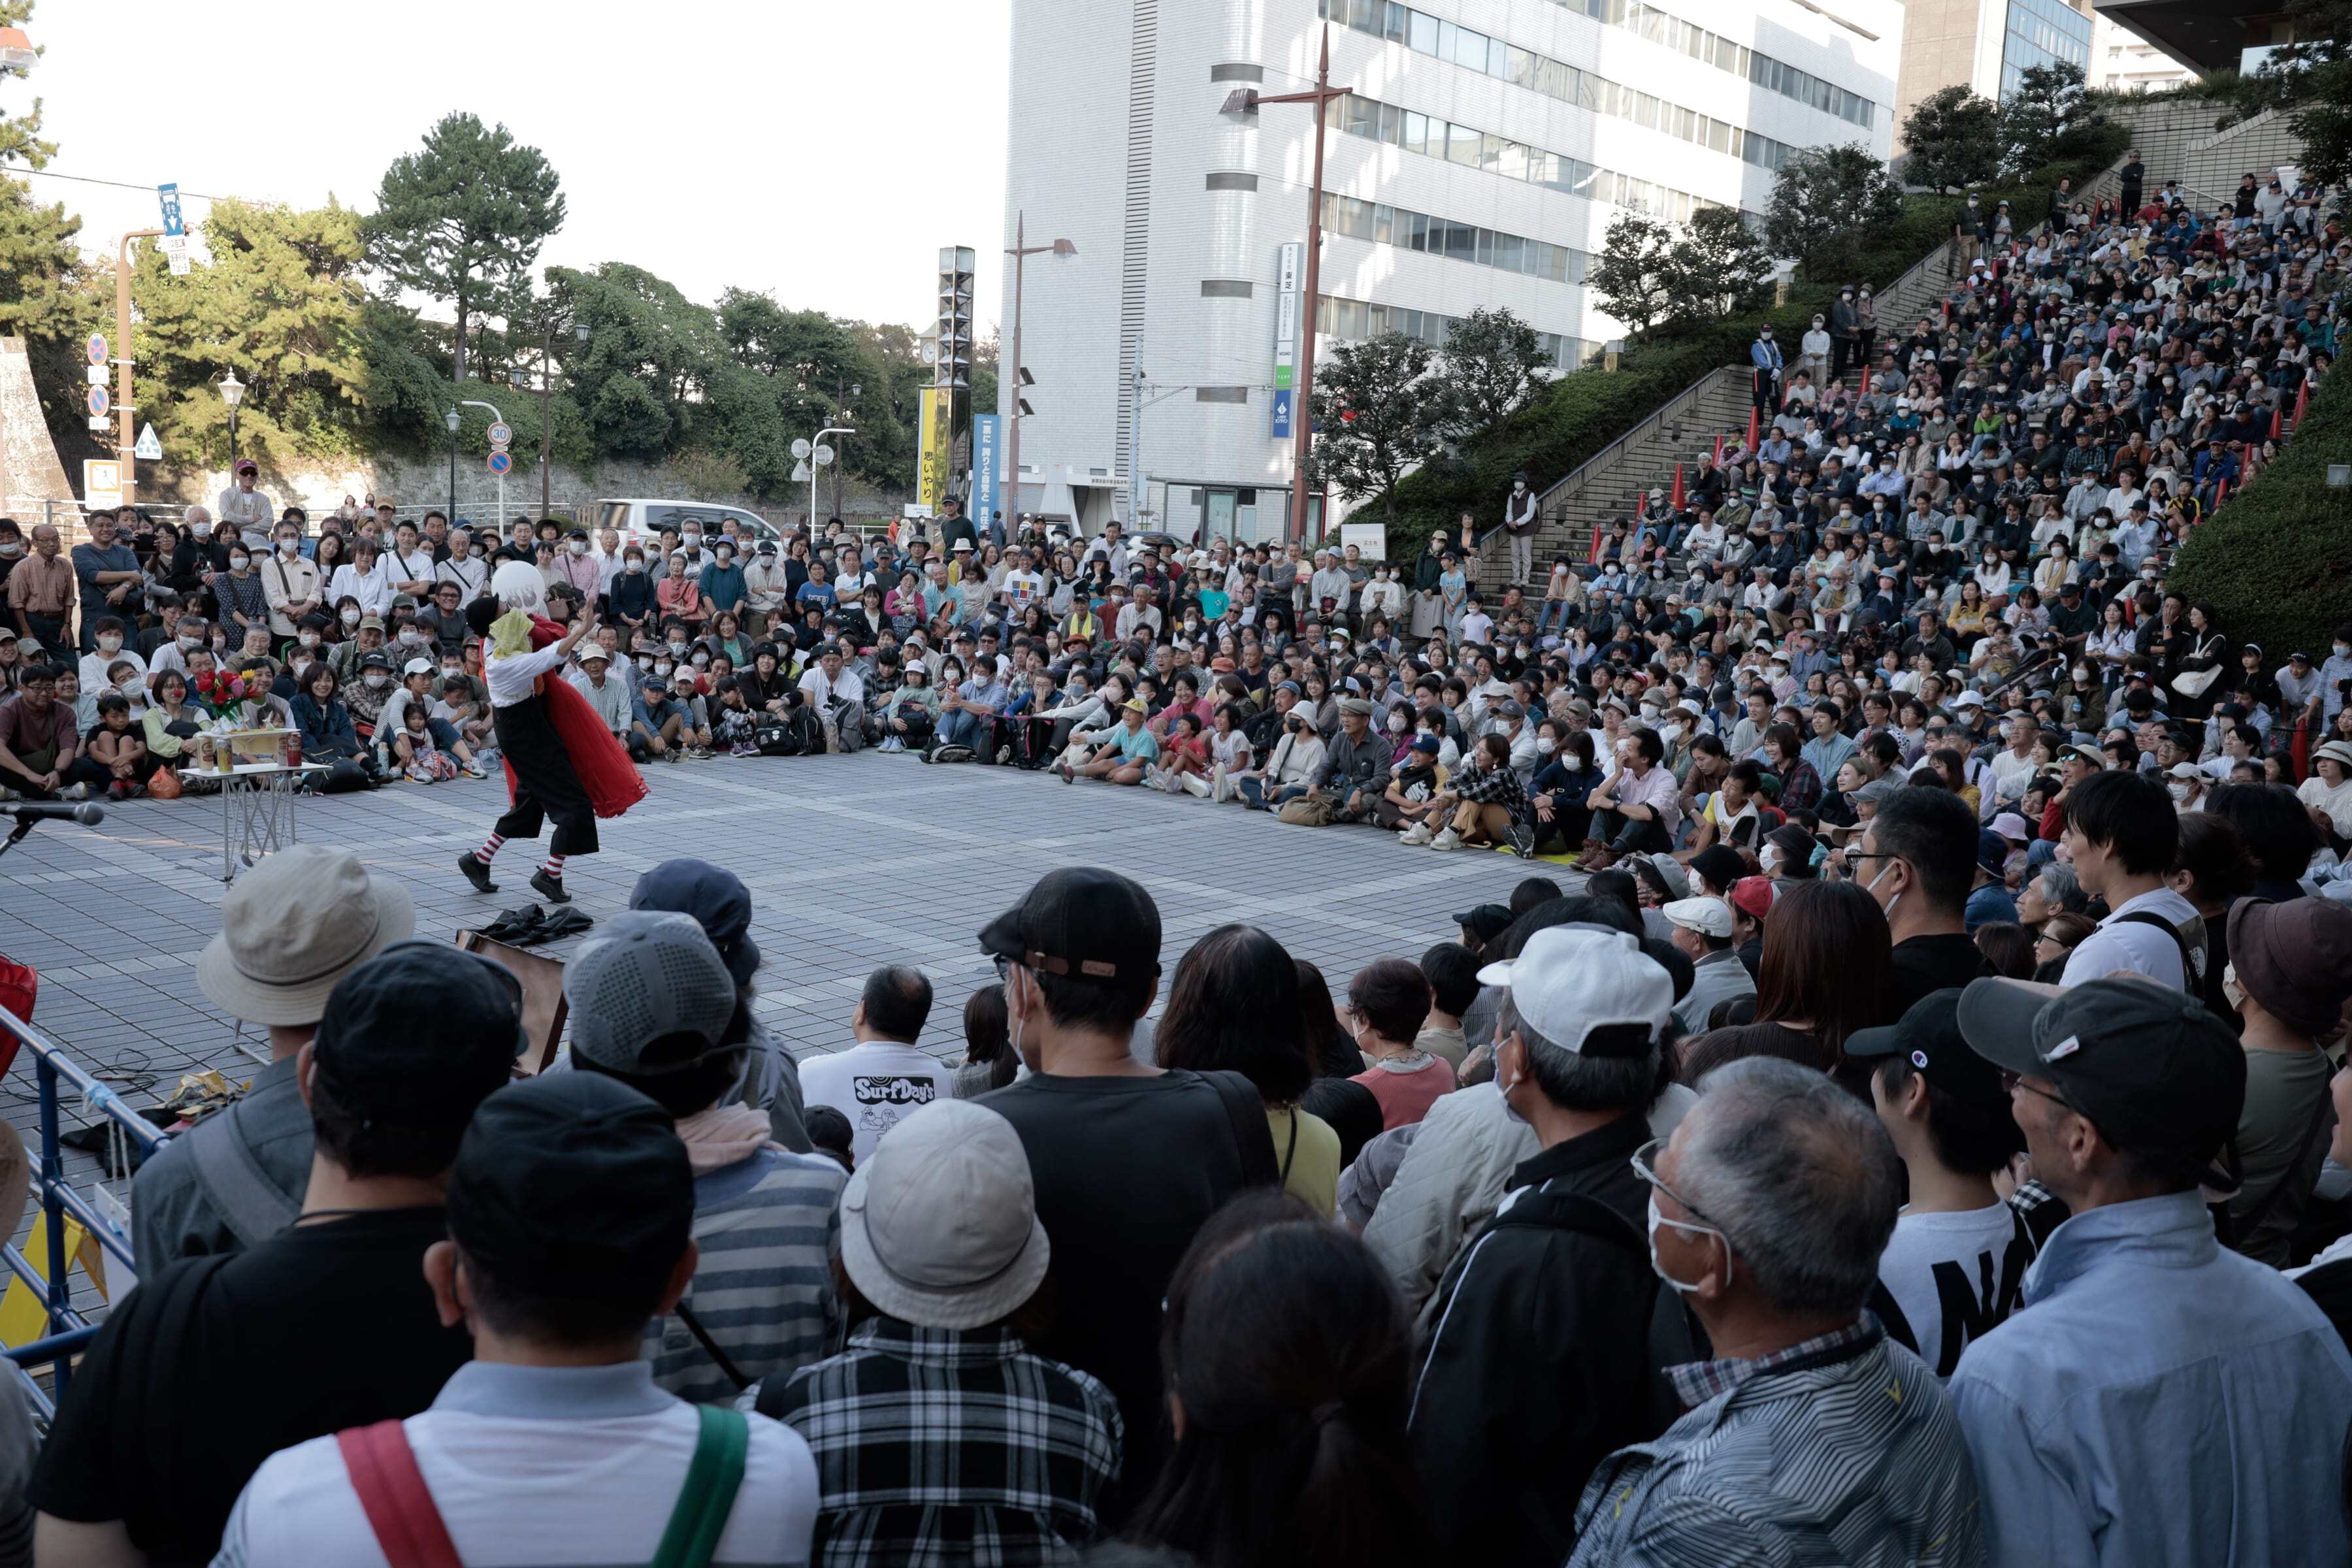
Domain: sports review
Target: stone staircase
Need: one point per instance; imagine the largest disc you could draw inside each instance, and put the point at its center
(1610, 483)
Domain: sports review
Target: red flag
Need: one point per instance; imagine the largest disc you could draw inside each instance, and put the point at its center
(1754, 418)
(2219, 490)
(2302, 401)
(1595, 557)
(1675, 499)
(2278, 423)
(1718, 447)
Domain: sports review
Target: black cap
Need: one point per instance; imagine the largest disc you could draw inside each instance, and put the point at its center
(2151, 1069)
(572, 1183)
(1928, 1036)
(1081, 921)
(1486, 921)
(419, 1033)
(716, 898)
(1720, 864)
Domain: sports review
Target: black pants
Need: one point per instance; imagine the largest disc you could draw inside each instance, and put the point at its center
(545, 783)
(1627, 837)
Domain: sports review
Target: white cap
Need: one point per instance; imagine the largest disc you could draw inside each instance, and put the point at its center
(419, 666)
(1709, 917)
(1570, 980)
(2186, 771)
(1969, 699)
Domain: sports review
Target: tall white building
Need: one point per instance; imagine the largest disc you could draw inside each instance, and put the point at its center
(1485, 149)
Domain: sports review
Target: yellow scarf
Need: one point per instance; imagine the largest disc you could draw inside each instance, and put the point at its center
(510, 635)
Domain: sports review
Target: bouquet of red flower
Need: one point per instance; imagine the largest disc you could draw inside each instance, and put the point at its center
(223, 696)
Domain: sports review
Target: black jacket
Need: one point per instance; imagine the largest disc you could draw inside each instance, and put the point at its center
(1539, 1367)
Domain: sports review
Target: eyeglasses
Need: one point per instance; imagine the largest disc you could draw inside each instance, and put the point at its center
(2010, 1082)
(1645, 1163)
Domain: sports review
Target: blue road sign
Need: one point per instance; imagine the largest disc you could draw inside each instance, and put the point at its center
(168, 195)
(501, 460)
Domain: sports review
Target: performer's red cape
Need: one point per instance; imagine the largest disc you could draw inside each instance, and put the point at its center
(611, 779)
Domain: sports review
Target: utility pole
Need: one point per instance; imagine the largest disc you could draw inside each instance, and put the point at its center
(126, 437)
(1019, 252)
(1321, 95)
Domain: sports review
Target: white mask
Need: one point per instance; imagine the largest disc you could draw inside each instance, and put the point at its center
(2179, 791)
(108, 644)
(378, 678)
(188, 643)
(351, 617)
(1657, 1219)
(691, 538)
(579, 547)
(1546, 746)
(637, 566)
(1397, 723)
(310, 639)
(238, 562)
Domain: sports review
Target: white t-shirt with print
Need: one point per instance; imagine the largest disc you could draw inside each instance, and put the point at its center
(1954, 1278)
(876, 1085)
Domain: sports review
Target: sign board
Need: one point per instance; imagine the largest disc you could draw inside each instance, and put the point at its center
(501, 461)
(917, 509)
(502, 433)
(150, 448)
(938, 435)
(179, 263)
(986, 455)
(97, 401)
(169, 197)
(1371, 539)
(96, 348)
(95, 374)
(101, 482)
(1287, 268)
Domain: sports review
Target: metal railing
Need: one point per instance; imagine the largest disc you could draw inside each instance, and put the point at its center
(66, 1330)
(1553, 499)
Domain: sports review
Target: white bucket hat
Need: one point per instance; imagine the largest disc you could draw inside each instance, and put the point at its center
(938, 1226)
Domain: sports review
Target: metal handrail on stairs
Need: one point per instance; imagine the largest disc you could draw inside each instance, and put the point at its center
(1546, 505)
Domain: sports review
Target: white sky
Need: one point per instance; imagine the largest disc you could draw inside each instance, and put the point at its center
(823, 152)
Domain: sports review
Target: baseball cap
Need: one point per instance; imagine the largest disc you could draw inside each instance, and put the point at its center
(1571, 983)
(1080, 921)
(572, 1183)
(650, 978)
(247, 466)
(1969, 699)
(1929, 1037)
(293, 926)
(419, 666)
(1707, 916)
(370, 623)
(716, 898)
(1484, 922)
(2149, 1066)
(421, 1032)
(1719, 864)
(1427, 743)
(1754, 896)
(940, 1225)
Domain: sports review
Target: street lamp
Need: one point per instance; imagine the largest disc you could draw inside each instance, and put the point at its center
(546, 386)
(1021, 251)
(453, 419)
(232, 393)
(843, 411)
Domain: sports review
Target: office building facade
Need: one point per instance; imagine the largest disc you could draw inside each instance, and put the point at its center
(1985, 45)
(1481, 152)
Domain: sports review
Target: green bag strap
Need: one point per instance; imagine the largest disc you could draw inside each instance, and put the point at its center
(708, 1495)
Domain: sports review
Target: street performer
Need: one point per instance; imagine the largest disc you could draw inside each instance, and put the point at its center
(561, 762)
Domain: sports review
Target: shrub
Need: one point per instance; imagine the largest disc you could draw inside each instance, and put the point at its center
(2276, 558)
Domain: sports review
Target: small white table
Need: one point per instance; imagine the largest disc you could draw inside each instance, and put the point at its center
(257, 809)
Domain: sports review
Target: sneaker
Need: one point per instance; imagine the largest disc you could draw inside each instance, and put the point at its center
(74, 792)
(1219, 790)
(1522, 841)
(1062, 771)
(470, 866)
(1004, 755)
(475, 770)
(1416, 835)
(550, 887)
(895, 743)
(1449, 839)
(675, 755)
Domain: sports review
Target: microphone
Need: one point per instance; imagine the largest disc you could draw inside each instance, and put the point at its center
(87, 813)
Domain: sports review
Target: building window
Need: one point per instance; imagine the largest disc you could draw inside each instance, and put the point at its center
(1225, 288)
(1224, 181)
(1220, 394)
(1237, 73)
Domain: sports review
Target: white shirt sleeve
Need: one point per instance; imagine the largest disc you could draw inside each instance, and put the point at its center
(510, 678)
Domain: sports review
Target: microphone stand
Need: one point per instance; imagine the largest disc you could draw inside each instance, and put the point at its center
(17, 836)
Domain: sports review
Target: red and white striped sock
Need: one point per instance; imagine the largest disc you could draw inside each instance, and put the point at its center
(489, 847)
(553, 867)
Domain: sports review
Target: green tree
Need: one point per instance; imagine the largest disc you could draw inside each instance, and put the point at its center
(281, 304)
(2048, 103)
(2314, 73)
(651, 355)
(1491, 367)
(41, 272)
(1376, 415)
(1718, 265)
(20, 136)
(1633, 275)
(1954, 139)
(462, 220)
(1822, 196)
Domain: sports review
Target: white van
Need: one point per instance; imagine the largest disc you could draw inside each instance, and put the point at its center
(642, 522)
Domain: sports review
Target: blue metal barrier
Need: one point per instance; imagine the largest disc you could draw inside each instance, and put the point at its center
(68, 1331)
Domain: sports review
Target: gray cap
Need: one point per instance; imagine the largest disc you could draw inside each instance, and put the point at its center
(650, 976)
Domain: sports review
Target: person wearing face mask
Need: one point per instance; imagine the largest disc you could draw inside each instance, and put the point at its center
(1918, 858)
(1504, 1427)
(291, 584)
(1767, 1211)
(111, 641)
(1814, 348)
(1520, 522)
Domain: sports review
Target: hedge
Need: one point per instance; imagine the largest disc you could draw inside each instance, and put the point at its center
(1585, 410)
(2276, 558)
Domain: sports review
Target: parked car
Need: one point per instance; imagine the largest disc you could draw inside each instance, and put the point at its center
(638, 521)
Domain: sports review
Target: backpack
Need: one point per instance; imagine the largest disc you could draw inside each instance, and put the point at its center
(1310, 811)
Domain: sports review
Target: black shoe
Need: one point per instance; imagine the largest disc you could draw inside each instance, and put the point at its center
(470, 864)
(1522, 841)
(548, 888)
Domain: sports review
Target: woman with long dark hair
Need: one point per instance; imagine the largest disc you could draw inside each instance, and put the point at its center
(1285, 1353)
(1233, 1007)
(1828, 970)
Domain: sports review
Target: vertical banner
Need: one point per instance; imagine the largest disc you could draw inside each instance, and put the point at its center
(986, 502)
(1285, 335)
(938, 437)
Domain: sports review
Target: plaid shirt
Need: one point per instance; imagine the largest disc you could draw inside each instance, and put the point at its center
(1493, 786)
(946, 1447)
(1800, 787)
(1696, 1381)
